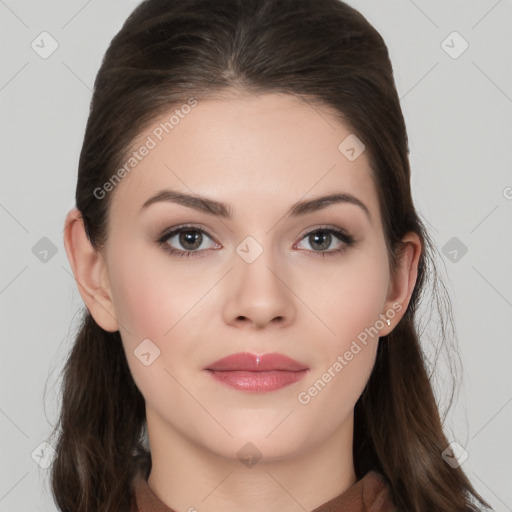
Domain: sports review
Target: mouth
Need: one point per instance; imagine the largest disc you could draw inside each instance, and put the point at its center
(257, 373)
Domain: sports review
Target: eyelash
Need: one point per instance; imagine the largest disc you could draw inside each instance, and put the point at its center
(344, 237)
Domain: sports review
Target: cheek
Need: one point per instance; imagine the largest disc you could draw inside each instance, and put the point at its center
(149, 296)
(347, 355)
(137, 301)
(350, 298)
(152, 300)
(349, 304)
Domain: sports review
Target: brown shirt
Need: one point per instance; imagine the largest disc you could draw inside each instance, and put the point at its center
(370, 494)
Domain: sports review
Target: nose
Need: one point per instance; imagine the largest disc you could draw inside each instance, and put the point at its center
(258, 295)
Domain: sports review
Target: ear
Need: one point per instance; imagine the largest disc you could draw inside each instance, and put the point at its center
(90, 272)
(402, 283)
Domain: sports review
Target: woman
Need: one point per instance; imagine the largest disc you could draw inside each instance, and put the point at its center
(251, 260)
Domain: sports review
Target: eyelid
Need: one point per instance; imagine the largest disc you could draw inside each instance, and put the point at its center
(179, 227)
(324, 227)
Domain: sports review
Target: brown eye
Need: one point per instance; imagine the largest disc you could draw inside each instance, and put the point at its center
(190, 240)
(186, 241)
(320, 240)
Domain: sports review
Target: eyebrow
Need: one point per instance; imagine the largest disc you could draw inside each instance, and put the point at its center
(223, 210)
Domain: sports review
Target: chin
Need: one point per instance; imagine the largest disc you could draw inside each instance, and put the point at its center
(263, 442)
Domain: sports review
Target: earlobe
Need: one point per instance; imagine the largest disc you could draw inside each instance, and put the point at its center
(90, 272)
(403, 282)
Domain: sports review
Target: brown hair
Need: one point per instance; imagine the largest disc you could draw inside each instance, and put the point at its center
(322, 51)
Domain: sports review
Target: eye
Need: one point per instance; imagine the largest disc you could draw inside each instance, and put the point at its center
(321, 239)
(192, 241)
(186, 241)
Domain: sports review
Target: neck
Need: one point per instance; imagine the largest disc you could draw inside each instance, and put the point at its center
(188, 476)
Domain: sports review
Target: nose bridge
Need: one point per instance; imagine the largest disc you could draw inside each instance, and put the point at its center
(256, 268)
(259, 294)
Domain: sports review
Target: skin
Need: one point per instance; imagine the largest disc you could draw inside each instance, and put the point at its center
(258, 154)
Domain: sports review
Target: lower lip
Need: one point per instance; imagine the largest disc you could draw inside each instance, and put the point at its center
(257, 381)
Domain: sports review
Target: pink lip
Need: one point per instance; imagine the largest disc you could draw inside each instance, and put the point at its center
(250, 372)
(256, 363)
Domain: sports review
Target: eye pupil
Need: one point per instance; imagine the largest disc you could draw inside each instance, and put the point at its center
(190, 237)
(321, 237)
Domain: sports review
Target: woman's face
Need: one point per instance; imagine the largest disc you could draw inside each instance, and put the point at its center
(265, 273)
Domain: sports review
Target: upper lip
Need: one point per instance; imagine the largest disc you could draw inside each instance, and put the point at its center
(246, 361)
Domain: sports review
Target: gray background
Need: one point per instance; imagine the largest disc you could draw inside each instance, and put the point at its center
(458, 112)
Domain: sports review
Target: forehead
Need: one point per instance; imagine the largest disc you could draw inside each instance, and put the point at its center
(244, 149)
